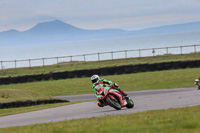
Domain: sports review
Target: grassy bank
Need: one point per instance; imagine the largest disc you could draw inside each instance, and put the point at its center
(10, 95)
(178, 120)
(69, 66)
(129, 82)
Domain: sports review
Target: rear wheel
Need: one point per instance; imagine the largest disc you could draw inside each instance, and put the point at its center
(113, 103)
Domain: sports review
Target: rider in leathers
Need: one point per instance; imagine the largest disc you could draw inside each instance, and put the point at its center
(98, 83)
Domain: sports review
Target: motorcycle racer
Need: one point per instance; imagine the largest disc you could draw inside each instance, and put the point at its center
(197, 83)
(98, 83)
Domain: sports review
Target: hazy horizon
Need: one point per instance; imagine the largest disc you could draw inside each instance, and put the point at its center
(100, 29)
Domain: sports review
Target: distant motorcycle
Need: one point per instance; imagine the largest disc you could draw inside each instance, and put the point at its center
(197, 84)
(114, 98)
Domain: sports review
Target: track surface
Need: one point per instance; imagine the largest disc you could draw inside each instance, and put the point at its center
(144, 100)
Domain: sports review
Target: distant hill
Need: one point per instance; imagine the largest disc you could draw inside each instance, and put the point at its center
(58, 31)
(168, 29)
(53, 27)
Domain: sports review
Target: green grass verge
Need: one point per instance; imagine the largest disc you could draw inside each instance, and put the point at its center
(10, 111)
(10, 95)
(129, 82)
(177, 120)
(69, 66)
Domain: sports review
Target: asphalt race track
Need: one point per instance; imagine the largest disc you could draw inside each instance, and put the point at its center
(144, 100)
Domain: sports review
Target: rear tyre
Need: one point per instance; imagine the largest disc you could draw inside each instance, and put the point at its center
(130, 103)
(113, 103)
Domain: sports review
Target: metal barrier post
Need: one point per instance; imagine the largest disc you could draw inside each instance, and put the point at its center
(125, 53)
(139, 53)
(153, 51)
(167, 50)
(195, 48)
(1, 65)
(29, 62)
(112, 55)
(98, 56)
(70, 58)
(57, 61)
(15, 64)
(43, 61)
(84, 57)
(181, 49)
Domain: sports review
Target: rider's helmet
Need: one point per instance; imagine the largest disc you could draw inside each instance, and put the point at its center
(95, 79)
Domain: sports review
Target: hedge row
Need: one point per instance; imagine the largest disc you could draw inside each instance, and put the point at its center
(29, 103)
(102, 71)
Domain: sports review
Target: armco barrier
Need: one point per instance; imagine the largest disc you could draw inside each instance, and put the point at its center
(167, 65)
(22, 79)
(102, 71)
(39, 77)
(160, 66)
(136, 68)
(192, 64)
(143, 67)
(30, 78)
(56, 75)
(13, 80)
(111, 70)
(152, 67)
(176, 65)
(128, 69)
(47, 76)
(5, 80)
(94, 71)
(184, 64)
(197, 63)
(120, 70)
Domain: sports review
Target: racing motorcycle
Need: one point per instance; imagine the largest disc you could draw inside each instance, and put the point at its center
(197, 84)
(114, 98)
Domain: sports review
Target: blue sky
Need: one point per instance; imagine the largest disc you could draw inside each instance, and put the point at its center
(97, 14)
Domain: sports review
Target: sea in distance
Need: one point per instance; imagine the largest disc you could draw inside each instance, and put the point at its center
(8, 54)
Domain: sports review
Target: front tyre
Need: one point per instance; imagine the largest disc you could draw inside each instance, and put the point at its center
(113, 103)
(130, 103)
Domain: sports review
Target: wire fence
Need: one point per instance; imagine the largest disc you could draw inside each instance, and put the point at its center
(100, 56)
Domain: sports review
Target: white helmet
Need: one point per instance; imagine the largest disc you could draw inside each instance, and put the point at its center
(95, 79)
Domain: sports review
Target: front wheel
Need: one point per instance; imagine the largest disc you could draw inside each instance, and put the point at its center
(130, 103)
(113, 103)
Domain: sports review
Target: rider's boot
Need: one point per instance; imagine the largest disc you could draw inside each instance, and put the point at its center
(101, 104)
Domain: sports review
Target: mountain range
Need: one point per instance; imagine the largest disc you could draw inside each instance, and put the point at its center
(57, 32)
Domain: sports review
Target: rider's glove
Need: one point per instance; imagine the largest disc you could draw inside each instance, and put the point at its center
(126, 97)
(100, 98)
